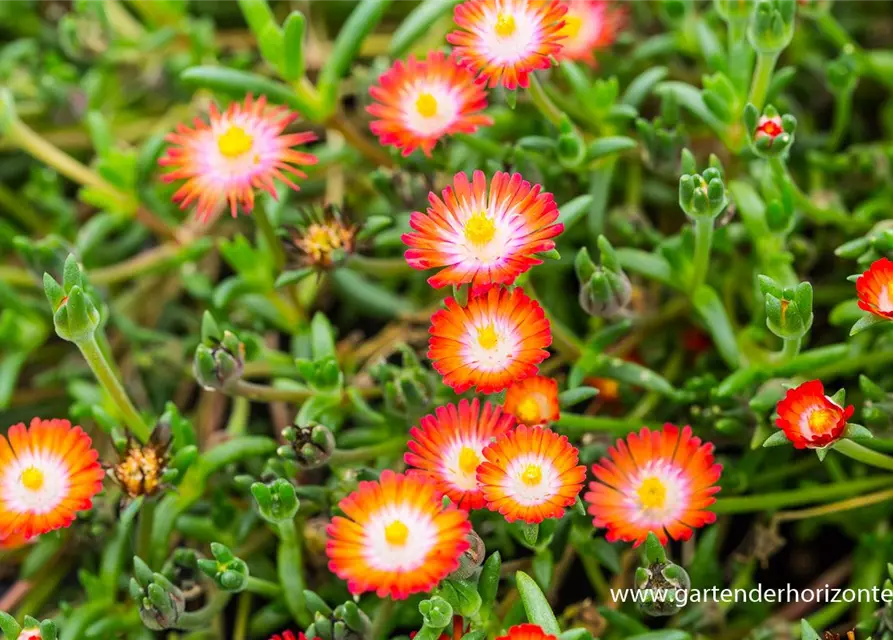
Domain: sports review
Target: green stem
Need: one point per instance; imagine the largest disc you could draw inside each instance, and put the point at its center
(382, 619)
(144, 530)
(541, 101)
(861, 453)
(382, 267)
(290, 565)
(843, 112)
(790, 350)
(274, 244)
(575, 423)
(110, 382)
(701, 260)
(202, 618)
(762, 77)
(266, 393)
(264, 588)
(833, 30)
(806, 495)
(341, 456)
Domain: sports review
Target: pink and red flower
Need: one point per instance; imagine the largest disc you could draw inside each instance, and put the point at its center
(809, 418)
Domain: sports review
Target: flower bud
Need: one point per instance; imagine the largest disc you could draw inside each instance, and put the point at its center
(770, 134)
(571, 148)
(436, 612)
(660, 576)
(276, 502)
(605, 289)
(734, 11)
(227, 571)
(471, 558)
(33, 629)
(218, 364)
(789, 310)
(772, 25)
(702, 195)
(161, 604)
(75, 315)
(309, 446)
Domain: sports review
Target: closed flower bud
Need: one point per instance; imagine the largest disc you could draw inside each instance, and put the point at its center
(734, 11)
(75, 315)
(436, 612)
(703, 195)
(310, 446)
(276, 502)
(605, 289)
(227, 571)
(772, 25)
(789, 310)
(219, 365)
(161, 603)
(661, 581)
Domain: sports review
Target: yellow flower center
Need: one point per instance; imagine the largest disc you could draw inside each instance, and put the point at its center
(505, 25)
(487, 337)
(234, 142)
(32, 478)
(426, 104)
(468, 460)
(528, 410)
(480, 228)
(532, 475)
(396, 533)
(822, 420)
(652, 494)
(571, 26)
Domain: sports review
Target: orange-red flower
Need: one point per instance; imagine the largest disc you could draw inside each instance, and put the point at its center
(240, 151)
(811, 419)
(48, 472)
(655, 481)
(287, 635)
(506, 40)
(527, 632)
(499, 337)
(479, 237)
(530, 474)
(448, 445)
(12, 542)
(421, 101)
(875, 289)
(533, 401)
(396, 538)
(589, 25)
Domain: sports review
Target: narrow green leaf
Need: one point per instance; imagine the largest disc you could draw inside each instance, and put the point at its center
(609, 145)
(717, 322)
(293, 52)
(535, 604)
(416, 24)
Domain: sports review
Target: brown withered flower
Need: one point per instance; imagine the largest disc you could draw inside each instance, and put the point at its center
(140, 467)
(323, 239)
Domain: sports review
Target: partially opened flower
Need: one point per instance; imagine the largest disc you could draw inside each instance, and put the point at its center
(589, 25)
(530, 474)
(240, 151)
(48, 472)
(809, 418)
(533, 401)
(418, 102)
(395, 537)
(875, 289)
(287, 635)
(499, 337)
(505, 40)
(482, 235)
(654, 481)
(448, 446)
(527, 632)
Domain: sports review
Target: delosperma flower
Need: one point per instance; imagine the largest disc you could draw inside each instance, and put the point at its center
(533, 401)
(396, 538)
(48, 472)
(654, 481)
(287, 635)
(238, 152)
(809, 418)
(499, 337)
(505, 40)
(527, 632)
(483, 235)
(589, 25)
(875, 289)
(530, 474)
(447, 447)
(418, 102)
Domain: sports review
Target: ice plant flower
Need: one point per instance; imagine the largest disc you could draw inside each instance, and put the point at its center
(499, 337)
(395, 537)
(48, 472)
(323, 239)
(140, 467)
(530, 474)
(527, 631)
(447, 447)
(287, 635)
(503, 41)
(809, 418)
(589, 25)
(654, 481)
(418, 102)
(875, 289)
(239, 151)
(533, 401)
(483, 235)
